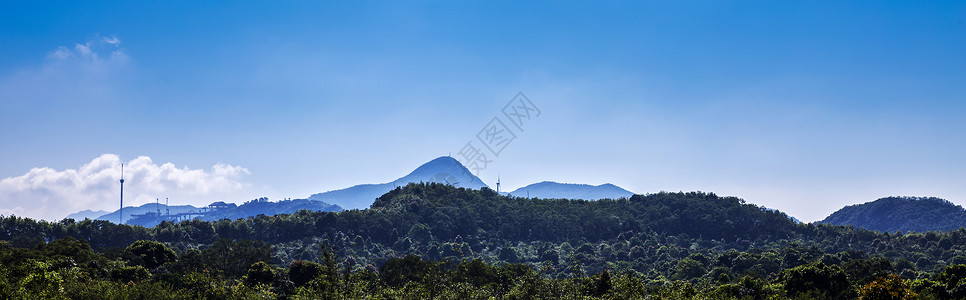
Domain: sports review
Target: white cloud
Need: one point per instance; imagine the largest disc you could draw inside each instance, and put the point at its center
(85, 50)
(113, 40)
(61, 53)
(51, 194)
(90, 53)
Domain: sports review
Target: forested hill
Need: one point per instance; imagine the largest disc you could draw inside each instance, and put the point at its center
(905, 214)
(445, 213)
(452, 211)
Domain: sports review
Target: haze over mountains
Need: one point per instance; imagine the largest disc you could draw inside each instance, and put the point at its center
(555, 190)
(130, 211)
(450, 171)
(444, 169)
(150, 214)
(887, 214)
(86, 214)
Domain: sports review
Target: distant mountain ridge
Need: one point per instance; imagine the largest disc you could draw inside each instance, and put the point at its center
(86, 214)
(448, 170)
(445, 169)
(254, 208)
(905, 214)
(145, 208)
(147, 215)
(555, 190)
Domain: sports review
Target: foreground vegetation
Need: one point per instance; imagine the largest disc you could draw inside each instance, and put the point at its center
(436, 241)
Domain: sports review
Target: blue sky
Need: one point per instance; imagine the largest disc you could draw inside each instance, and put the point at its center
(801, 106)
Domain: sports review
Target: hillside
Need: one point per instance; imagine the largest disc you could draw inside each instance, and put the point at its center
(442, 239)
(451, 213)
(919, 214)
(554, 190)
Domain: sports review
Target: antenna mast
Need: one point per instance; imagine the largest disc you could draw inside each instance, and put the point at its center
(121, 212)
(497, 184)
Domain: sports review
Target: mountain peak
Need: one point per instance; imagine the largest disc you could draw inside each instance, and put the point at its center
(444, 169)
(441, 161)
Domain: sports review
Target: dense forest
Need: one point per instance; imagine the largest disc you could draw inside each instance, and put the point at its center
(437, 241)
(893, 214)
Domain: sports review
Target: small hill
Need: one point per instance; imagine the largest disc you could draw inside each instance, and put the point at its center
(905, 214)
(450, 212)
(445, 170)
(555, 190)
(86, 214)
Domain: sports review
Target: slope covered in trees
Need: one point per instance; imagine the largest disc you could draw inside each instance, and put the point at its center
(904, 214)
(437, 241)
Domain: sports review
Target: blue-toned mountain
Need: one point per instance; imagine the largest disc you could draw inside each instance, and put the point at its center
(446, 170)
(555, 190)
